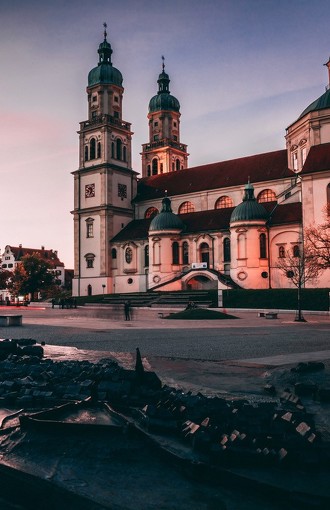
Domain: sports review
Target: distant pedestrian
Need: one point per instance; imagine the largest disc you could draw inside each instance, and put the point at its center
(127, 308)
(53, 303)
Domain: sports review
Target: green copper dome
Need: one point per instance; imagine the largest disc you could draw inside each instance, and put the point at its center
(105, 72)
(319, 104)
(249, 209)
(166, 219)
(163, 100)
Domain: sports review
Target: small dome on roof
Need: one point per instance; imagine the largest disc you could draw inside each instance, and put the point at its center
(166, 219)
(249, 209)
(319, 104)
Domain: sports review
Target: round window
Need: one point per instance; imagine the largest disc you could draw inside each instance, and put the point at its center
(130, 281)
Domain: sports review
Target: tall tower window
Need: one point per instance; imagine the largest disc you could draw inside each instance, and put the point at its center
(86, 153)
(118, 148)
(263, 246)
(186, 207)
(98, 149)
(175, 253)
(185, 253)
(148, 171)
(177, 165)
(89, 227)
(92, 147)
(226, 250)
(124, 154)
(113, 253)
(155, 166)
(112, 150)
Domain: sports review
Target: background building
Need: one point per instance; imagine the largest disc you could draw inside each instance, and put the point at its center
(219, 225)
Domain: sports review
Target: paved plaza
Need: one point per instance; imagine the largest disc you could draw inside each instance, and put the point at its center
(200, 354)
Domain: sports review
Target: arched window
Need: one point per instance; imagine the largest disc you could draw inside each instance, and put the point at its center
(86, 153)
(146, 256)
(224, 202)
(263, 246)
(177, 164)
(112, 150)
(204, 253)
(173, 167)
(151, 212)
(185, 253)
(267, 195)
(155, 166)
(118, 148)
(281, 252)
(186, 207)
(124, 154)
(89, 290)
(296, 250)
(175, 253)
(113, 253)
(98, 149)
(161, 168)
(226, 249)
(128, 255)
(92, 145)
(148, 171)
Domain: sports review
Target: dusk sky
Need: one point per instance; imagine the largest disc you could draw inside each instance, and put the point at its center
(243, 70)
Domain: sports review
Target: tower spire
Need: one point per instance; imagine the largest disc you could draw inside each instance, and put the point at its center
(163, 63)
(105, 31)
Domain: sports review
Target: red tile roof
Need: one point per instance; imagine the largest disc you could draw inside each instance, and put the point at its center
(212, 220)
(261, 167)
(48, 255)
(318, 159)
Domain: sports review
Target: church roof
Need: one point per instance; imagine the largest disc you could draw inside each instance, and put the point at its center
(261, 167)
(318, 159)
(212, 220)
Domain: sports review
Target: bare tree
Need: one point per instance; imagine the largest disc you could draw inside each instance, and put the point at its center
(300, 266)
(317, 239)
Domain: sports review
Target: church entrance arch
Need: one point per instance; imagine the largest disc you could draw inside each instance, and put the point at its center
(200, 282)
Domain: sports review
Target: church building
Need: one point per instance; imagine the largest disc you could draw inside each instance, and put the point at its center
(216, 226)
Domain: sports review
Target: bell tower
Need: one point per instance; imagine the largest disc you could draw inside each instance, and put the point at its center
(104, 183)
(164, 153)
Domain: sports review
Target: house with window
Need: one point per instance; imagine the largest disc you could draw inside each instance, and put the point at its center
(220, 225)
(12, 256)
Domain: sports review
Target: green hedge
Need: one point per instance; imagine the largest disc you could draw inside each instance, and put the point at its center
(283, 299)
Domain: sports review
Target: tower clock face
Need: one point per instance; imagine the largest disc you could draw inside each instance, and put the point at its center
(90, 190)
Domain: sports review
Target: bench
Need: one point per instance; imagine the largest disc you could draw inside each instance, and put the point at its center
(268, 315)
(10, 320)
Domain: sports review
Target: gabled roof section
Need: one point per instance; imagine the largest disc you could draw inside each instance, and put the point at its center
(136, 229)
(214, 220)
(48, 255)
(261, 167)
(318, 159)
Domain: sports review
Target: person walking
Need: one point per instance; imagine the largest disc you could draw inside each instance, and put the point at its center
(127, 308)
